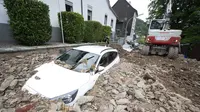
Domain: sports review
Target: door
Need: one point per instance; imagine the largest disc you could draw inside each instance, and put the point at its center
(107, 61)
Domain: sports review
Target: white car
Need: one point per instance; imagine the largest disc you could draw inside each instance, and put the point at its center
(72, 74)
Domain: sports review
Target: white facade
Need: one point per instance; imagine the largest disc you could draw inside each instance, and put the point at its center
(3, 13)
(99, 9)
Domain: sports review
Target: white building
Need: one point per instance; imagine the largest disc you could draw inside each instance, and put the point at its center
(96, 10)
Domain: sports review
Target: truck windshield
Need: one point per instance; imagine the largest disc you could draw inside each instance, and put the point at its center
(77, 60)
(155, 24)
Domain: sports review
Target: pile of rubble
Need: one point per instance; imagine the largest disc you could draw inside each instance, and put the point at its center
(134, 85)
(132, 88)
(15, 70)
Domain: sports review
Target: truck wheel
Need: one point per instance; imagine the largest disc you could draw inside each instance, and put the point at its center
(145, 50)
(173, 52)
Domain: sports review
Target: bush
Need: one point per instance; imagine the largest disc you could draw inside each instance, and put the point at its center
(73, 25)
(141, 40)
(93, 31)
(106, 31)
(29, 20)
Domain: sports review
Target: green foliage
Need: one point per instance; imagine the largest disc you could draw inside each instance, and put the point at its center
(93, 31)
(29, 20)
(192, 40)
(106, 31)
(73, 26)
(141, 40)
(185, 16)
(141, 28)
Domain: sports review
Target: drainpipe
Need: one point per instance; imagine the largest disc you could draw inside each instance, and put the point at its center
(82, 7)
(61, 23)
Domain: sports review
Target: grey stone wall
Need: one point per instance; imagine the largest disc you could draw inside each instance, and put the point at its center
(6, 35)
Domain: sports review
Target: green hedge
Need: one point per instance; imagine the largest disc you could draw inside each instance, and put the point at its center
(73, 26)
(106, 31)
(93, 31)
(29, 20)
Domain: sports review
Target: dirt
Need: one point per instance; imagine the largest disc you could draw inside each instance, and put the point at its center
(183, 76)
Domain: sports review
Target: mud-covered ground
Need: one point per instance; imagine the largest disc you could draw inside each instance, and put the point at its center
(137, 84)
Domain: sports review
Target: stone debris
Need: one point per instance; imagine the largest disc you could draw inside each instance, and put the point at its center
(130, 86)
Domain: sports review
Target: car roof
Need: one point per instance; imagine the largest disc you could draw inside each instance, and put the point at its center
(94, 49)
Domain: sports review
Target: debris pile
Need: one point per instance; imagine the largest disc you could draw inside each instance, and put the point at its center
(15, 70)
(132, 88)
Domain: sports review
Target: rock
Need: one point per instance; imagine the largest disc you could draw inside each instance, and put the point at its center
(84, 99)
(193, 108)
(1, 102)
(108, 88)
(123, 101)
(139, 94)
(77, 108)
(120, 95)
(120, 108)
(157, 110)
(106, 108)
(20, 56)
(13, 84)
(6, 83)
(172, 103)
(115, 91)
(112, 101)
(150, 95)
(162, 109)
(162, 98)
(105, 82)
(141, 84)
(110, 108)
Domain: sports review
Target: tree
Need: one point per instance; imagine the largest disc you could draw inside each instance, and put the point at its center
(185, 16)
(141, 28)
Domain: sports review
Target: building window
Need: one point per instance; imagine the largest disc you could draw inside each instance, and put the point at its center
(105, 20)
(89, 15)
(69, 6)
(111, 24)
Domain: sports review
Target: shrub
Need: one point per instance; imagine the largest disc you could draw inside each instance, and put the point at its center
(29, 20)
(73, 24)
(141, 40)
(93, 31)
(106, 31)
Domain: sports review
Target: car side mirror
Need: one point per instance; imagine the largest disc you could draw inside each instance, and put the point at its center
(101, 68)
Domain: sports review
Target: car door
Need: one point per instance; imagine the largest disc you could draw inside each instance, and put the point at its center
(95, 75)
(111, 58)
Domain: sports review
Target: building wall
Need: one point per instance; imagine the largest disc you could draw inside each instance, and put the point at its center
(124, 11)
(100, 8)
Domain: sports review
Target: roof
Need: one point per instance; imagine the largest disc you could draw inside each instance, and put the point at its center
(93, 49)
(108, 1)
(120, 7)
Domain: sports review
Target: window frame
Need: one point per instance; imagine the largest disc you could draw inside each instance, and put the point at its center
(105, 19)
(68, 3)
(111, 23)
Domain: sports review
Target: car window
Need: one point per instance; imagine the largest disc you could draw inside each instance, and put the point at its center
(112, 56)
(104, 60)
(77, 60)
(107, 58)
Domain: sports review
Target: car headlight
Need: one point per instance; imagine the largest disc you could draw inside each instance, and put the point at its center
(67, 98)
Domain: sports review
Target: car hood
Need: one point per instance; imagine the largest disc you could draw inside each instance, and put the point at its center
(52, 80)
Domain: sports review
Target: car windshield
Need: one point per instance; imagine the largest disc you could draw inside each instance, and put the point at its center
(155, 24)
(78, 60)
